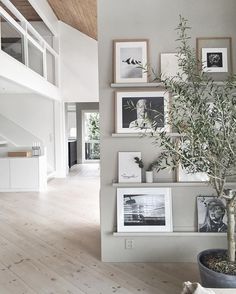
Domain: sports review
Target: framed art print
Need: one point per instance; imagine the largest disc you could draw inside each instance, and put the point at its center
(129, 171)
(184, 176)
(169, 66)
(142, 111)
(129, 57)
(212, 214)
(215, 56)
(144, 210)
(215, 59)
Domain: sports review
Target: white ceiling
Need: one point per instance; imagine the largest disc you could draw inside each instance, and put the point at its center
(9, 87)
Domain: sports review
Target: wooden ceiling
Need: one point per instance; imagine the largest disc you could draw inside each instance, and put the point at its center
(26, 10)
(80, 14)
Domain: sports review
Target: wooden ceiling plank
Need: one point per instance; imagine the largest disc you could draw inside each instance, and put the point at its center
(80, 14)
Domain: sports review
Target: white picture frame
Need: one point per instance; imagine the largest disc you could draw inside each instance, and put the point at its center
(144, 210)
(184, 176)
(137, 110)
(129, 171)
(129, 55)
(215, 60)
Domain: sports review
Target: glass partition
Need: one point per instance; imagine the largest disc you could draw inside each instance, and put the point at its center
(51, 68)
(12, 41)
(35, 57)
(20, 40)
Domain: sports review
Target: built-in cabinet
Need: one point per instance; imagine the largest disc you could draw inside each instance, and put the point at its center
(23, 174)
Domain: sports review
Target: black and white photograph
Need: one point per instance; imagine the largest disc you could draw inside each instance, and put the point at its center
(212, 215)
(214, 59)
(215, 56)
(141, 111)
(144, 210)
(129, 58)
(129, 170)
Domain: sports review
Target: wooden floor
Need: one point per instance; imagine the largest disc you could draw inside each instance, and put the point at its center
(50, 243)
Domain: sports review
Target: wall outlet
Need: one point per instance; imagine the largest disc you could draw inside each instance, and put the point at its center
(129, 244)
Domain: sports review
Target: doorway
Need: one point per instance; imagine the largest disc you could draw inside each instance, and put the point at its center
(90, 136)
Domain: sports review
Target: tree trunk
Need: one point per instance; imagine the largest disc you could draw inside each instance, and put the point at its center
(230, 231)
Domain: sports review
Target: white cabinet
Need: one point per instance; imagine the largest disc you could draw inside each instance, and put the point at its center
(4, 173)
(23, 174)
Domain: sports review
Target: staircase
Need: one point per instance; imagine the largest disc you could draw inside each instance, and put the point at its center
(15, 134)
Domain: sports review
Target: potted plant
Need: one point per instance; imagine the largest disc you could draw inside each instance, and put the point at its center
(203, 113)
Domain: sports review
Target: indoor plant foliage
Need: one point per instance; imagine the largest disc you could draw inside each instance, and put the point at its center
(203, 113)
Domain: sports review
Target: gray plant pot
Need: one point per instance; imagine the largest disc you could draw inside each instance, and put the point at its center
(212, 279)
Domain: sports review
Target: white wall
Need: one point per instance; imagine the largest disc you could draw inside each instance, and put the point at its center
(17, 72)
(79, 65)
(33, 113)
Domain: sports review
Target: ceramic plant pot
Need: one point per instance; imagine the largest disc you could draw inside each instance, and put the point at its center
(149, 176)
(212, 279)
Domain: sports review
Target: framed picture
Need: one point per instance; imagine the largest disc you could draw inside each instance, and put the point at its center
(144, 210)
(212, 215)
(129, 56)
(129, 171)
(214, 59)
(215, 54)
(140, 111)
(169, 65)
(183, 176)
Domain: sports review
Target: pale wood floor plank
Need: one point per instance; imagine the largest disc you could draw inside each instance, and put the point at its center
(11, 284)
(50, 243)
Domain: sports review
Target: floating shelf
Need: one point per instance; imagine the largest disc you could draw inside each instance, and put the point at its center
(169, 234)
(167, 184)
(137, 85)
(139, 135)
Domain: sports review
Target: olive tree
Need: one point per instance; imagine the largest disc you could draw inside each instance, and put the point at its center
(203, 113)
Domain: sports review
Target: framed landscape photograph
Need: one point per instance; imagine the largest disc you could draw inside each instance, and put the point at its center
(212, 214)
(215, 54)
(144, 210)
(129, 171)
(129, 56)
(140, 111)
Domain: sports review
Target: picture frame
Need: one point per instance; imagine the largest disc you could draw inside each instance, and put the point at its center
(128, 56)
(212, 214)
(215, 55)
(144, 210)
(169, 66)
(139, 111)
(215, 59)
(183, 176)
(129, 171)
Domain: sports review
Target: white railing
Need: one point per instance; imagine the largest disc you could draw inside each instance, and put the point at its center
(31, 37)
